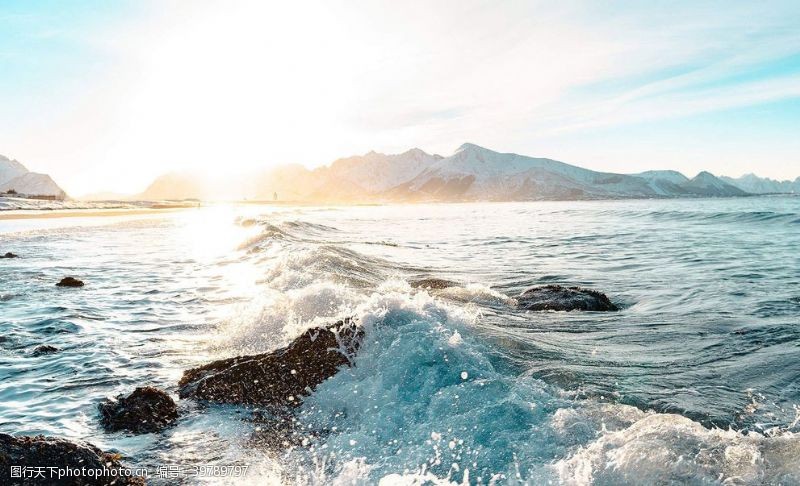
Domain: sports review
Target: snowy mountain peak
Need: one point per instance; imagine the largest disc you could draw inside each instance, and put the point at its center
(764, 185)
(707, 184)
(473, 173)
(471, 147)
(15, 177)
(704, 175)
(672, 176)
(10, 168)
(415, 153)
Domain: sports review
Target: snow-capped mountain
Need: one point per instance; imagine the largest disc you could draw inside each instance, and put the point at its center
(764, 185)
(472, 173)
(665, 182)
(477, 173)
(10, 169)
(14, 177)
(375, 172)
(707, 184)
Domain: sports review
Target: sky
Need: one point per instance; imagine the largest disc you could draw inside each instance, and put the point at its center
(105, 96)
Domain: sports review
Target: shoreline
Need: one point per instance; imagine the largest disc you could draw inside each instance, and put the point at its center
(83, 213)
(48, 213)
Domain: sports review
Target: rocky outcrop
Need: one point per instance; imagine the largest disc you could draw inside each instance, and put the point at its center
(279, 378)
(70, 282)
(42, 457)
(558, 298)
(44, 349)
(147, 409)
(433, 284)
(9, 255)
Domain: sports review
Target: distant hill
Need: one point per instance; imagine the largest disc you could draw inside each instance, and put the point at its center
(16, 178)
(175, 185)
(707, 184)
(472, 173)
(763, 185)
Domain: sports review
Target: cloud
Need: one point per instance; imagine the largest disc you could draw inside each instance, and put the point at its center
(193, 84)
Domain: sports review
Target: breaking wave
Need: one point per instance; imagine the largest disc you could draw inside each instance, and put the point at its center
(432, 400)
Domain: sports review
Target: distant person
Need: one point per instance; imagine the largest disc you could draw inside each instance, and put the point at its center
(274, 196)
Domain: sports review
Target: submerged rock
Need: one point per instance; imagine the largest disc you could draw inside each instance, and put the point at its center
(433, 283)
(9, 255)
(44, 349)
(279, 378)
(147, 409)
(70, 282)
(558, 298)
(39, 454)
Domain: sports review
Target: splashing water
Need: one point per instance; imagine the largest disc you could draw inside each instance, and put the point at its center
(694, 381)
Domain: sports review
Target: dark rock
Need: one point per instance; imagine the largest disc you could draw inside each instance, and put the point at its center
(558, 298)
(433, 283)
(9, 255)
(147, 409)
(44, 349)
(279, 378)
(69, 282)
(40, 454)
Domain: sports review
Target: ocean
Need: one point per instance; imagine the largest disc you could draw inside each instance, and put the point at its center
(696, 380)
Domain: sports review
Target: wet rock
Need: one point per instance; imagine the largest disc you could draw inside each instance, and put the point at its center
(279, 378)
(44, 349)
(39, 454)
(433, 284)
(70, 282)
(9, 255)
(558, 298)
(147, 409)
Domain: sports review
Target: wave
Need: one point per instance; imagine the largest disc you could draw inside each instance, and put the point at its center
(431, 400)
(425, 403)
(636, 447)
(721, 217)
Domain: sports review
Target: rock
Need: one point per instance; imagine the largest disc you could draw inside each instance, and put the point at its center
(558, 298)
(9, 255)
(69, 282)
(44, 349)
(433, 284)
(40, 453)
(147, 409)
(279, 378)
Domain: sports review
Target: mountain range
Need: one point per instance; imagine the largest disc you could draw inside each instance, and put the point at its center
(472, 173)
(15, 178)
(763, 185)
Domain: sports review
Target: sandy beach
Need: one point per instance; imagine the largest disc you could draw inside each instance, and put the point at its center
(84, 213)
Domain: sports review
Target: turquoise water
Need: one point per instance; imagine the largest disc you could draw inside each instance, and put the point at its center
(696, 380)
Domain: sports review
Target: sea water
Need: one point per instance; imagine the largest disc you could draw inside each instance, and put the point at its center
(696, 380)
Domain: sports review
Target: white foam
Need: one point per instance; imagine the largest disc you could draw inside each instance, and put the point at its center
(475, 293)
(655, 448)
